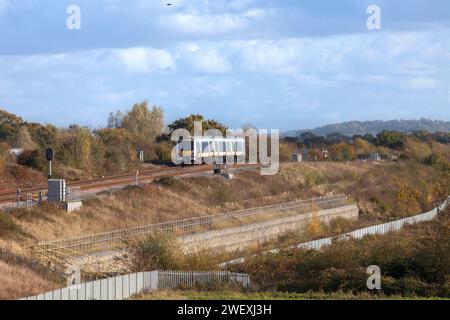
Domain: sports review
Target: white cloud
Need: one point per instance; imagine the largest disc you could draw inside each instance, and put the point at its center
(255, 13)
(146, 60)
(209, 24)
(270, 56)
(208, 61)
(423, 83)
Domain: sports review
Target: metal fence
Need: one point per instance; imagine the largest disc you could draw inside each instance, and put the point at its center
(125, 286)
(114, 239)
(31, 199)
(360, 233)
(73, 194)
(377, 229)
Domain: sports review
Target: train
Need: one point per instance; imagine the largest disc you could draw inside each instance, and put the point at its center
(199, 150)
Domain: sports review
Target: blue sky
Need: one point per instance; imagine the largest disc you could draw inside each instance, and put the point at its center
(276, 64)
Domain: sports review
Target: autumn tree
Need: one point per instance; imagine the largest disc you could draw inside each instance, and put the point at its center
(342, 152)
(115, 120)
(286, 151)
(362, 146)
(144, 122)
(24, 139)
(119, 151)
(44, 136)
(188, 124)
(9, 126)
(4, 156)
(75, 148)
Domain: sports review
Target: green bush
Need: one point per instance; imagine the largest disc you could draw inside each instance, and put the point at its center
(391, 139)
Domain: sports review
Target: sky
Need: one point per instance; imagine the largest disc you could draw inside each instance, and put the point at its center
(274, 64)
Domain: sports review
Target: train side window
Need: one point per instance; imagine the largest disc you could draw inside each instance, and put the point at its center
(187, 146)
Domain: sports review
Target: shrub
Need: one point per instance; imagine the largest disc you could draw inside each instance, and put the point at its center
(438, 162)
(33, 159)
(221, 194)
(162, 251)
(414, 262)
(4, 156)
(155, 251)
(163, 152)
(7, 226)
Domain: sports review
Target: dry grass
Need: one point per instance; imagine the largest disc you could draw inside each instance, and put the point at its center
(15, 176)
(375, 186)
(18, 281)
(237, 295)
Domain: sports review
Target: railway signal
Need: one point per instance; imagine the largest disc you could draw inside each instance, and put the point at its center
(49, 155)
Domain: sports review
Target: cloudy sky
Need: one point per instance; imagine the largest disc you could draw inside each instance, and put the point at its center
(276, 64)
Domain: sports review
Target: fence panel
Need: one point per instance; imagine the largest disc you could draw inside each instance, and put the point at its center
(125, 286)
(358, 234)
(112, 240)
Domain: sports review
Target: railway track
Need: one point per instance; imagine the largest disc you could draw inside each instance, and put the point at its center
(104, 183)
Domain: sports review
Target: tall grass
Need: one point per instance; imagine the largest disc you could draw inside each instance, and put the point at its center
(413, 262)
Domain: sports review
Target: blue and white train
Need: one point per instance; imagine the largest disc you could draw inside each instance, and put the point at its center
(210, 149)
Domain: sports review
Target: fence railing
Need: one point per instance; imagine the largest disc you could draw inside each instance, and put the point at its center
(360, 233)
(114, 239)
(31, 199)
(377, 229)
(125, 286)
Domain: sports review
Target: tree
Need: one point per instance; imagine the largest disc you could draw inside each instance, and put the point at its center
(362, 146)
(188, 124)
(369, 138)
(4, 155)
(118, 150)
(342, 152)
(143, 122)
(391, 139)
(44, 136)
(310, 140)
(9, 126)
(75, 149)
(115, 120)
(336, 137)
(24, 139)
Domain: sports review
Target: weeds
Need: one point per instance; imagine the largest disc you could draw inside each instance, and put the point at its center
(414, 262)
(9, 228)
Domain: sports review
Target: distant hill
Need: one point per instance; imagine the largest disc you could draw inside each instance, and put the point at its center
(374, 127)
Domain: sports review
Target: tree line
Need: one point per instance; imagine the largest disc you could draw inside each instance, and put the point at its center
(340, 147)
(96, 152)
